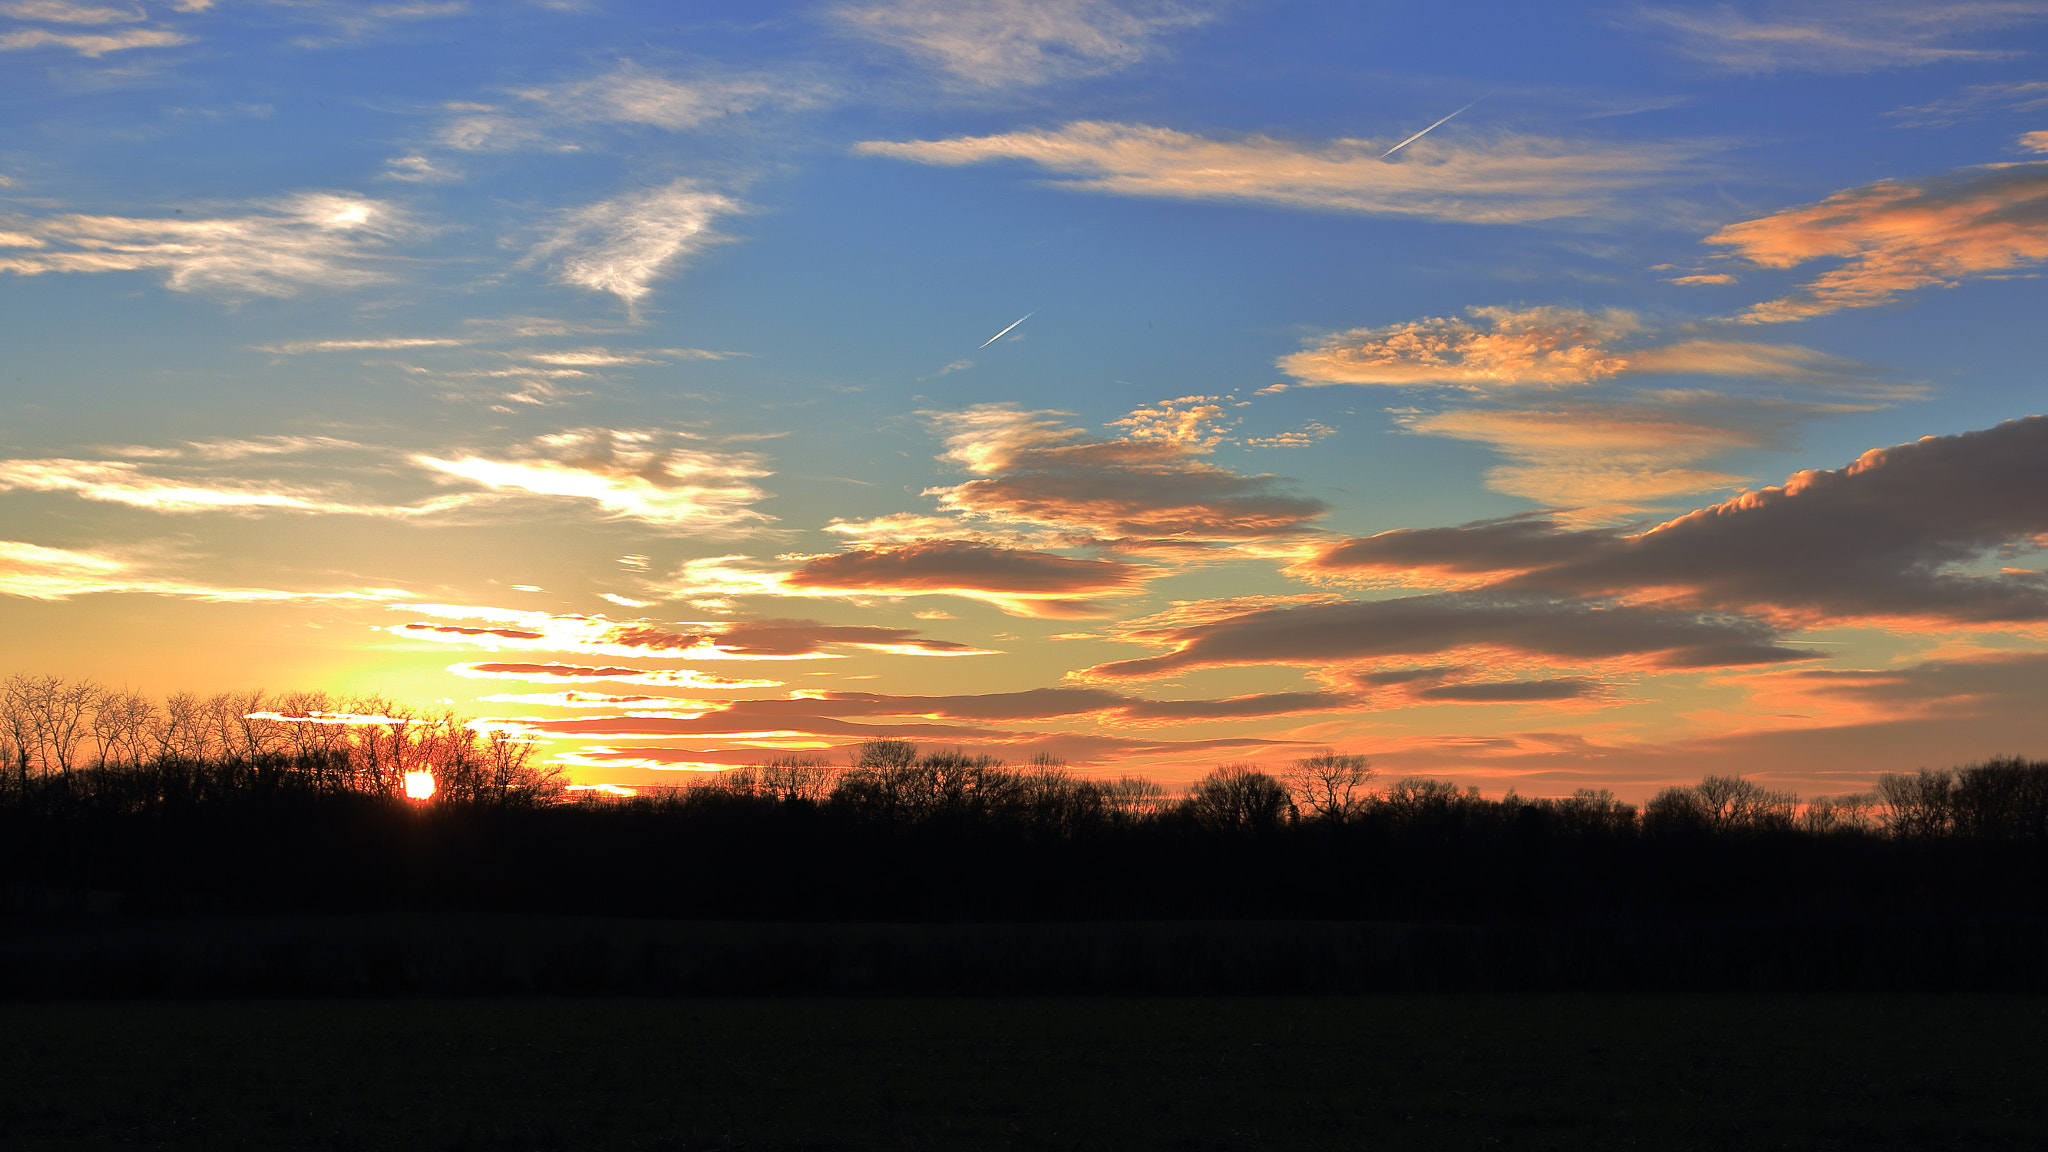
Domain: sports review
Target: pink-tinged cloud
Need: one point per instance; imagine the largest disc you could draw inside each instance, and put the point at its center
(91, 45)
(1495, 349)
(1500, 179)
(1895, 236)
(992, 43)
(1844, 38)
(1893, 538)
(582, 674)
(1529, 627)
(1132, 492)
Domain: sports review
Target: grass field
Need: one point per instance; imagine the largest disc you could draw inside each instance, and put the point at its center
(1393, 1072)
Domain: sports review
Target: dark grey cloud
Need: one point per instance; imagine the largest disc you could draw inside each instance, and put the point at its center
(1562, 632)
(1902, 533)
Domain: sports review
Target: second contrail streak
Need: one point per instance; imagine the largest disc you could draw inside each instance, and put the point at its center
(1020, 320)
(1421, 134)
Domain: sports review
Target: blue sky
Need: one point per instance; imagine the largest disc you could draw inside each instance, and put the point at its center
(625, 366)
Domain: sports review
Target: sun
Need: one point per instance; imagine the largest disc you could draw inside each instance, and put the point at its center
(419, 785)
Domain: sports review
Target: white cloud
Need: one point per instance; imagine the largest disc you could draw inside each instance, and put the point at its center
(417, 169)
(312, 239)
(624, 244)
(380, 343)
(1506, 179)
(120, 482)
(631, 475)
(1000, 42)
(1840, 38)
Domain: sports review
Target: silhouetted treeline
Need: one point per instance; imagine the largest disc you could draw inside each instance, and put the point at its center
(240, 803)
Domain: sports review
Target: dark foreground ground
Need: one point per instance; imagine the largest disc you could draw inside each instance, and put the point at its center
(1531, 1071)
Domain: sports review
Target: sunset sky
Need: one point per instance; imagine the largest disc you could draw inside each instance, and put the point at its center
(617, 370)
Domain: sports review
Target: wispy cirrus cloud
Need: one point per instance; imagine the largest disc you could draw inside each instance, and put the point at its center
(1498, 349)
(1898, 539)
(992, 43)
(349, 23)
(278, 248)
(558, 116)
(123, 482)
(624, 244)
(1501, 180)
(1895, 236)
(1975, 100)
(631, 94)
(1840, 38)
(631, 474)
(34, 572)
(90, 44)
(380, 343)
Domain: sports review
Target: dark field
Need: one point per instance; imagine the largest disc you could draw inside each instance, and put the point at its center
(1436, 1072)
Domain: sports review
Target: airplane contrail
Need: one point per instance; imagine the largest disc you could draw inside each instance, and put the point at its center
(1006, 331)
(1421, 134)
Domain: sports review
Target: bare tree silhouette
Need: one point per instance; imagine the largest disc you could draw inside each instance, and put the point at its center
(1239, 797)
(1329, 785)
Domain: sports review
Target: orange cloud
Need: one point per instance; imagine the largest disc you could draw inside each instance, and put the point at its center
(1895, 236)
(597, 635)
(1495, 349)
(843, 717)
(1133, 492)
(582, 674)
(1605, 460)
